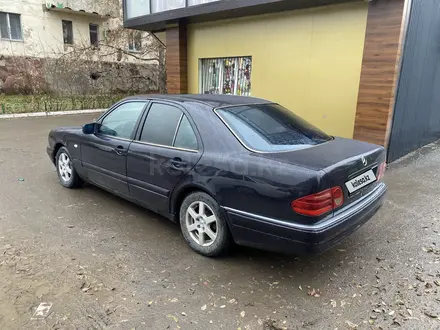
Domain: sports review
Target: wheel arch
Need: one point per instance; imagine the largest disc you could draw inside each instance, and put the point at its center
(181, 193)
(57, 147)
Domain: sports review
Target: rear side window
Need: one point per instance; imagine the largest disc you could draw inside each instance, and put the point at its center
(161, 124)
(185, 138)
(271, 128)
(168, 126)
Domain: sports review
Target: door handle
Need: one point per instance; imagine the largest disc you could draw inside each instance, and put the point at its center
(178, 163)
(120, 150)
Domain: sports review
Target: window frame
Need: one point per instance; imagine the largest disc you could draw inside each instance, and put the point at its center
(125, 10)
(150, 8)
(8, 27)
(116, 106)
(71, 31)
(236, 74)
(184, 113)
(97, 34)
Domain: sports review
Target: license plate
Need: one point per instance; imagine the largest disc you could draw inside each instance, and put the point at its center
(360, 181)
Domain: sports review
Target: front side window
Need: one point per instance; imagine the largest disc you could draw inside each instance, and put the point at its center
(230, 76)
(121, 122)
(271, 128)
(94, 34)
(10, 26)
(68, 32)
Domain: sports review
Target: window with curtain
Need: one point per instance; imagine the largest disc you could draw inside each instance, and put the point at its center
(164, 5)
(136, 8)
(10, 26)
(231, 75)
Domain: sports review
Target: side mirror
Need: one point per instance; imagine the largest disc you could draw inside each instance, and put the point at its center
(90, 128)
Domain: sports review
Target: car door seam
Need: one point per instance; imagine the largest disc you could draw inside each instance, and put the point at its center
(126, 165)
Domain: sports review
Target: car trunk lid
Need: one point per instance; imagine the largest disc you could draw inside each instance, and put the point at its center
(352, 165)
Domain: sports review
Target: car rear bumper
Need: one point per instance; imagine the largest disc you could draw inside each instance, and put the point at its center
(282, 236)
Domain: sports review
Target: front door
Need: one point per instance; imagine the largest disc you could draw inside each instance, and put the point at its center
(104, 154)
(165, 150)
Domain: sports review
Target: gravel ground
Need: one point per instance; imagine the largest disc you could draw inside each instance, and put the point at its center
(104, 263)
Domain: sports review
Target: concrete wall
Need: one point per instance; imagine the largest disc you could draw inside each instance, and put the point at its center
(309, 60)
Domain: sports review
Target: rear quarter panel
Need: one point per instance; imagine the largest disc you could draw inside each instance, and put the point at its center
(248, 183)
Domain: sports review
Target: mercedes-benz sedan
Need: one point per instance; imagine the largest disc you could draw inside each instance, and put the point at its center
(228, 169)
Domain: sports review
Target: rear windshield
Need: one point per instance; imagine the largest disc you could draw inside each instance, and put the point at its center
(271, 128)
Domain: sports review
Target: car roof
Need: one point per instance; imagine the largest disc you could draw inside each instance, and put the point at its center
(213, 100)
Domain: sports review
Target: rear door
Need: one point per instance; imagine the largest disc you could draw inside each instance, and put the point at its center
(166, 148)
(104, 154)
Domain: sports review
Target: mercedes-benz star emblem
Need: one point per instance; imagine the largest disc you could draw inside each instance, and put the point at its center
(364, 161)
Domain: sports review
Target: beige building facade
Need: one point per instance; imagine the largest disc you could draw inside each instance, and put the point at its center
(39, 28)
(89, 30)
(35, 27)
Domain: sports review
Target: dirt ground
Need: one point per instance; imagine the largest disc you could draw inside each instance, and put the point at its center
(104, 263)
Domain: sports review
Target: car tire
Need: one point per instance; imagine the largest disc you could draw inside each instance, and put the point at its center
(203, 225)
(67, 174)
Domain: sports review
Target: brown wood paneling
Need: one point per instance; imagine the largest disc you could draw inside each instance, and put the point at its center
(379, 71)
(177, 64)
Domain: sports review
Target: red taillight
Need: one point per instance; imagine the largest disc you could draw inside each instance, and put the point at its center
(381, 171)
(320, 203)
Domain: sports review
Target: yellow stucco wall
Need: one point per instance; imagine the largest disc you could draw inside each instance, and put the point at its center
(308, 60)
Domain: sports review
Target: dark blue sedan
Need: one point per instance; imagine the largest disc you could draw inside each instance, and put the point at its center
(229, 169)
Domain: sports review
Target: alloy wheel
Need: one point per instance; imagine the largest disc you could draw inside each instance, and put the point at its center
(64, 167)
(201, 223)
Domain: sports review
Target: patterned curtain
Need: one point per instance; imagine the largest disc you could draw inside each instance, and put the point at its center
(231, 76)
